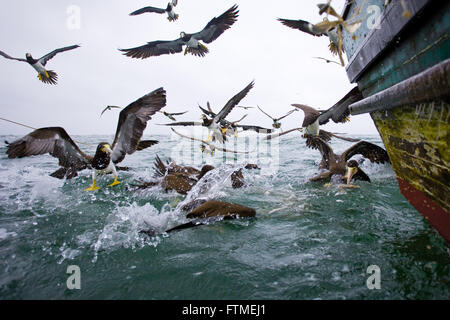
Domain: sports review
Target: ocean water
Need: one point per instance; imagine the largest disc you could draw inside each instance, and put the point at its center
(307, 241)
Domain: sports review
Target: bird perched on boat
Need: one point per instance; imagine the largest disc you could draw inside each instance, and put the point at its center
(171, 115)
(209, 212)
(46, 76)
(276, 121)
(171, 15)
(216, 128)
(55, 140)
(332, 29)
(342, 165)
(211, 32)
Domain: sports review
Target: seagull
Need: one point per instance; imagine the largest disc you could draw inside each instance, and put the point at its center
(342, 165)
(46, 76)
(55, 141)
(276, 124)
(211, 32)
(171, 15)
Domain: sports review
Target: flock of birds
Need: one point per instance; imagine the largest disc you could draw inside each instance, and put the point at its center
(133, 120)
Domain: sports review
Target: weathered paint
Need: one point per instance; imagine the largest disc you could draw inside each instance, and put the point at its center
(416, 49)
(416, 139)
(431, 210)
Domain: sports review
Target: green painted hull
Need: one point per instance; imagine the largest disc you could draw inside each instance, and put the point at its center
(414, 132)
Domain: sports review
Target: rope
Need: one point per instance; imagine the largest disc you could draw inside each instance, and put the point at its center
(24, 125)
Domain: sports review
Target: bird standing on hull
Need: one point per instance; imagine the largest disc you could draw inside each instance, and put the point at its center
(211, 32)
(46, 76)
(55, 140)
(171, 15)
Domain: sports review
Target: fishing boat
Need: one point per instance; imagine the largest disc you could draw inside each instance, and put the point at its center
(400, 59)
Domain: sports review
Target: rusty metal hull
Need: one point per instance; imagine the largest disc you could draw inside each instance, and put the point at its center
(416, 139)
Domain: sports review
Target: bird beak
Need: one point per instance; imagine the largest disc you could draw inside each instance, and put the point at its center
(350, 173)
(107, 149)
(224, 130)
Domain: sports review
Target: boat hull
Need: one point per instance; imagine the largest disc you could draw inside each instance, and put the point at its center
(416, 139)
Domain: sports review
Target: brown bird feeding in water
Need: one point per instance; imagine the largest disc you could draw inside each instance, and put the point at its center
(209, 212)
(175, 177)
(342, 165)
(46, 76)
(55, 140)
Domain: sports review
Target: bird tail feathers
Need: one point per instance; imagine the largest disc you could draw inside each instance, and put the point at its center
(49, 77)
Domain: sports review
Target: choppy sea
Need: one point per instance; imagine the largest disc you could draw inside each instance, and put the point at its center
(307, 241)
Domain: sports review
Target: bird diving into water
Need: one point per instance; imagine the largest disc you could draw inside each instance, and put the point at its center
(211, 32)
(55, 141)
(342, 165)
(46, 76)
(171, 15)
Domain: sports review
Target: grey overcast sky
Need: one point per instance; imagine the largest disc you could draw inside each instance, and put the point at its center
(257, 47)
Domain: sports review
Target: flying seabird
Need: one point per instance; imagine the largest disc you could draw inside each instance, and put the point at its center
(171, 115)
(211, 32)
(340, 164)
(206, 144)
(46, 76)
(216, 126)
(332, 29)
(310, 127)
(109, 108)
(276, 124)
(55, 140)
(171, 15)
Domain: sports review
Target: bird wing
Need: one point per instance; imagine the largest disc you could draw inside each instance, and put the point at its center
(232, 103)
(133, 121)
(43, 60)
(301, 25)
(311, 114)
(208, 112)
(369, 150)
(207, 143)
(265, 113)
(147, 9)
(254, 128)
(53, 140)
(218, 25)
(183, 123)
(276, 135)
(177, 113)
(286, 114)
(324, 148)
(108, 108)
(11, 58)
(155, 48)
